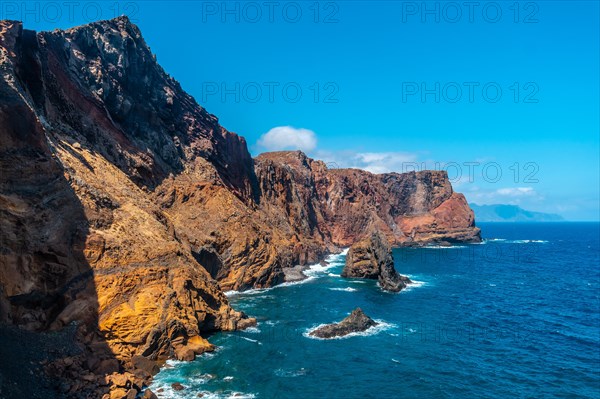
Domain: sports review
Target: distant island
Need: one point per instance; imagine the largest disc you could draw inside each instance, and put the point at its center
(511, 213)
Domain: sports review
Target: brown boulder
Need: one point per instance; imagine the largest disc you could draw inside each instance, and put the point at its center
(177, 386)
(118, 393)
(357, 321)
(148, 394)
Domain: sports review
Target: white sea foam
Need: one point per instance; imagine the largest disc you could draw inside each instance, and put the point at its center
(413, 284)
(445, 246)
(230, 395)
(170, 393)
(526, 241)
(381, 326)
(252, 340)
(192, 390)
(314, 271)
(290, 283)
(290, 373)
(173, 363)
(347, 289)
(252, 330)
(505, 241)
(255, 291)
(335, 260)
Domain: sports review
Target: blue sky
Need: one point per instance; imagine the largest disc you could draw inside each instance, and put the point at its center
(390, 86)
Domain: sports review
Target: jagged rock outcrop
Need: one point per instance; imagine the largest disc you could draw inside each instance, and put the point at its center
(371, 258)
(357, 321)
(127, 209)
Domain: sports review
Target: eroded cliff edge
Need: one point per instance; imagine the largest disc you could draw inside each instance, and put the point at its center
(126, 208)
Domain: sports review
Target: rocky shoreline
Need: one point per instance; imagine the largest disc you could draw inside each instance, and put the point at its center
(127, 210)
(295, 274)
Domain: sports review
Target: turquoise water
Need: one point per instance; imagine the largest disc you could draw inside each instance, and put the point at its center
(517, 316)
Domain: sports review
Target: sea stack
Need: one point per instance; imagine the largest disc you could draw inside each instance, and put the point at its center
(356, 322)
(371, 258)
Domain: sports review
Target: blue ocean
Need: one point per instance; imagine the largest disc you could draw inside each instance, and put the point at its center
(517, 316)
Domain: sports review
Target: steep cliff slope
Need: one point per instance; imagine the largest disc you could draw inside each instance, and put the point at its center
(126, 208)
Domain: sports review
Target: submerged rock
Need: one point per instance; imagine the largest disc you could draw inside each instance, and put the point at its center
(177, 386)
(371, 258)
(356, 322)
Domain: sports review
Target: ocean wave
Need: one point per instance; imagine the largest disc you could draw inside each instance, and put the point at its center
(192, 391)
(413, 284)
(381, 326)
(527, 241)
(224, 395)
(231, 395)
(255, 341)
(347, 289)
(506, 241)
(289, 373)
(318, 269)
(313, 272)
(255, 291)
(252, 330)
(444, 246)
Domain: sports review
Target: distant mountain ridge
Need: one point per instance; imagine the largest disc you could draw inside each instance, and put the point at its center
(511, 213)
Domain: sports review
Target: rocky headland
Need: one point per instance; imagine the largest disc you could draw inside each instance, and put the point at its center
(371, 258)
(356, 322)
(126, 211)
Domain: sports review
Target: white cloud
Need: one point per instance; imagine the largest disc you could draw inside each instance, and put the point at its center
(516, 191)
(288, 138)
(506, 195)
(374, 162)
(384, 162)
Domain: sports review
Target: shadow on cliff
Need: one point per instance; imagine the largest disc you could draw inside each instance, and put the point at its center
(50, 344)
(49, 305)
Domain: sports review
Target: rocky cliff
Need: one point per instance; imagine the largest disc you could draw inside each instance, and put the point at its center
(371, 258)
(127, 209)
(338, 206)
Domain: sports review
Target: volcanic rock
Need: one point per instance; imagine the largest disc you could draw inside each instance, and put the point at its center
(357, 321)
(177, 386)
(371, 258)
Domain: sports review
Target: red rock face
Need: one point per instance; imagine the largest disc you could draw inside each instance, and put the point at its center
(126, 206)
(339, 206)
